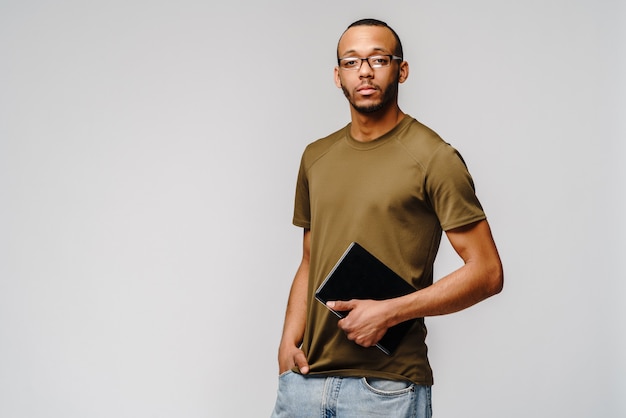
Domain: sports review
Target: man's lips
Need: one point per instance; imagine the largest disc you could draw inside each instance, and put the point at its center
(366, 90)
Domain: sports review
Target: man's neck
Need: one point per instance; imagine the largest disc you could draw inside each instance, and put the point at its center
(369, 126)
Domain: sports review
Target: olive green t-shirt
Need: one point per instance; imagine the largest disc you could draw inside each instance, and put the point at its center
(394, 196)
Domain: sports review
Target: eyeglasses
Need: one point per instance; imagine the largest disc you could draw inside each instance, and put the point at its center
(375, 61)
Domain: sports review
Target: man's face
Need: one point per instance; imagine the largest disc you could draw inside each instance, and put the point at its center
(369, 90)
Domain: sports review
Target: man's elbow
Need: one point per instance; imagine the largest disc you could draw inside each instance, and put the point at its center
(495, 280)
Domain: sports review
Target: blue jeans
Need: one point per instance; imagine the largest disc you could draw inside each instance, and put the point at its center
(348, 397)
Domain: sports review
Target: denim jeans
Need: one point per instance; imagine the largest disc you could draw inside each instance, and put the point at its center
(348, 397)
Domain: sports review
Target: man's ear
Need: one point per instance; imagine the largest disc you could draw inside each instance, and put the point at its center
(337, 79)
(404, 72)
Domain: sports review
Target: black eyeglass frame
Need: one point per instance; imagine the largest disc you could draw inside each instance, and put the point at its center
(372, 66)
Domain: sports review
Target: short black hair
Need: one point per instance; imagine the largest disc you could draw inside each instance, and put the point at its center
(375, 22)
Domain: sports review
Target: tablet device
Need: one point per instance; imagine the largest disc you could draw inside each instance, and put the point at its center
(360, 275)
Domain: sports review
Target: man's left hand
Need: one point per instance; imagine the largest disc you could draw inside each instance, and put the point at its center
(366, 321)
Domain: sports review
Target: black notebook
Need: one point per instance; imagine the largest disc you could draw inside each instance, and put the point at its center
(360, 275)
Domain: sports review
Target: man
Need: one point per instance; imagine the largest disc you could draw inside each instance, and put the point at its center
(391, 184)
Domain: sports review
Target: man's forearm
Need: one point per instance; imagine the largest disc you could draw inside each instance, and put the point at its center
(295, 316)
(480, 277)
(461, 289)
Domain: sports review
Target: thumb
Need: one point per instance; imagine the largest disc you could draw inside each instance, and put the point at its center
(301, 363)
(339, 305)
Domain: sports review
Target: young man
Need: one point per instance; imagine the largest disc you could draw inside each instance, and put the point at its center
(393, 185)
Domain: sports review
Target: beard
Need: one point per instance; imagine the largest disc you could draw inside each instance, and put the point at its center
(388, 96)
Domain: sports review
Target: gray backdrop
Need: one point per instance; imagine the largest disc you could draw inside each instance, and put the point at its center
(148, 155)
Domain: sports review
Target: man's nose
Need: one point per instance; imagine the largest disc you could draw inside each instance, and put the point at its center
(366, 69)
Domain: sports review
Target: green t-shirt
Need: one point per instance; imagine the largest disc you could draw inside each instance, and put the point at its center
(394, 196)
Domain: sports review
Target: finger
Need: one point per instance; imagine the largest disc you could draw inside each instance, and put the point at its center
(344, 324)
(301, 363)
(339, 305)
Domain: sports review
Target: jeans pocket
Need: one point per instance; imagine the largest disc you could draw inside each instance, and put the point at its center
(285, 373)
(387, 387)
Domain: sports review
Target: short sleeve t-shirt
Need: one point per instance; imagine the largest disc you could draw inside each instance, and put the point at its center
(394, 195)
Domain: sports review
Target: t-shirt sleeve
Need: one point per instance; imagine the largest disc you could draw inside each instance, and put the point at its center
(451, 190)
(302, 204)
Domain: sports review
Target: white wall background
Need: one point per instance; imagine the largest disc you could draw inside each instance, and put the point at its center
(148, 154)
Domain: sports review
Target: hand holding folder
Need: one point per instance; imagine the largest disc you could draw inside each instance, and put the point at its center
(360, 275)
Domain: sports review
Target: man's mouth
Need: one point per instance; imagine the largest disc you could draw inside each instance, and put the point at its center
(366, 90)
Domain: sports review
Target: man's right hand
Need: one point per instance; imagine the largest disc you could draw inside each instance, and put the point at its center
(290, 357)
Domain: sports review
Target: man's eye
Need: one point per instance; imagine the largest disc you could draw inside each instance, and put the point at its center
(379, 60)
(349, 63)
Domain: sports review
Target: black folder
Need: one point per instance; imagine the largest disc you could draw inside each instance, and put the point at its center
(360, 275)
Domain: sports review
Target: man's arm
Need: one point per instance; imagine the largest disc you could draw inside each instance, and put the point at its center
(480, 277)
(289, 352)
